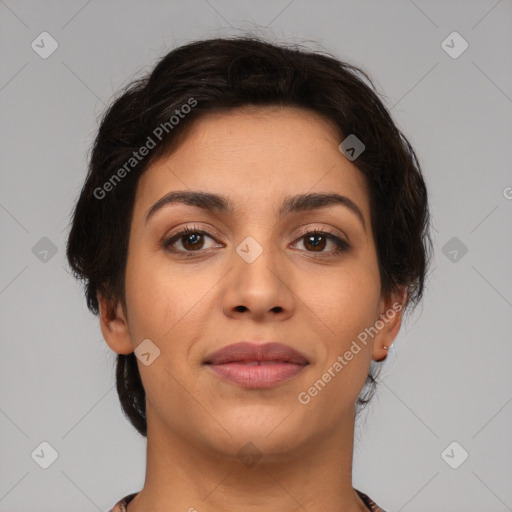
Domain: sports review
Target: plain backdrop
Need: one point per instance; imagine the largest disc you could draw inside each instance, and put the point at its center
(448, 377)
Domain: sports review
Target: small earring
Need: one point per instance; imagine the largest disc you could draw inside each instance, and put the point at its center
(385, 348)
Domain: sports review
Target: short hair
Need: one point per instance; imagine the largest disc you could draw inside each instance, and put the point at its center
(227, 73)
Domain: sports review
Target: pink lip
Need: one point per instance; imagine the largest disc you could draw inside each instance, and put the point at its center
(256, 366)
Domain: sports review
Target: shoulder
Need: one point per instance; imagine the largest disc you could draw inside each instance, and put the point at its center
(120, 506)
(372, 506)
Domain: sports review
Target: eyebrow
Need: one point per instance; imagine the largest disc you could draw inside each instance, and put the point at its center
(220, 204)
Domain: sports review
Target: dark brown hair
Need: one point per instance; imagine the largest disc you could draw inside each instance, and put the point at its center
(226, 73)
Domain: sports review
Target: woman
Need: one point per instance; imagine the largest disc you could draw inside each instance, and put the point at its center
(251, 231)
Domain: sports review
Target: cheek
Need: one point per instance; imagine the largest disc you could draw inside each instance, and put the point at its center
(148, 298)
(164, 299)
(341, 306)
(344, 307)
(163, 307)
(344, 301)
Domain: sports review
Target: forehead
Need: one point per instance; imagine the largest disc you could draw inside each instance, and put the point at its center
(256, 156)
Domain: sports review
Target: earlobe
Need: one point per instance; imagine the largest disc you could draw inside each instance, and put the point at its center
(114, 326)
(389, 323)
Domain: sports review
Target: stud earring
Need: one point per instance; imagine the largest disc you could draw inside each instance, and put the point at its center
(385, 348)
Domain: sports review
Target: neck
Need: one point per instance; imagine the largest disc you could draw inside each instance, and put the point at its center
(315, 477)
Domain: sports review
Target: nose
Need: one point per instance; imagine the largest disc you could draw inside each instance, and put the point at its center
(260, 283)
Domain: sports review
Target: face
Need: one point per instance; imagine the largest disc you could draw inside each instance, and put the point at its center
(253, 273)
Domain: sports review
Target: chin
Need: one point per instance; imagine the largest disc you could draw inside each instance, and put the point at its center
(269, 430)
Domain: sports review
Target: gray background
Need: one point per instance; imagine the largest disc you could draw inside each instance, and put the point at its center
(448, 376)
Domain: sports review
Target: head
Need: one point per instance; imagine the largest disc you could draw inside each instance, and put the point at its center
(256, 129)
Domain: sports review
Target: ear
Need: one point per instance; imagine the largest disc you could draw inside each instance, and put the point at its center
(114, 326)
(388, 323)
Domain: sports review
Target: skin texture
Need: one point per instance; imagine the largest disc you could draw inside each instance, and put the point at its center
(316, 302)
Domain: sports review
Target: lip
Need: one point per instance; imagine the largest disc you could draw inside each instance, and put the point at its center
(254, 365)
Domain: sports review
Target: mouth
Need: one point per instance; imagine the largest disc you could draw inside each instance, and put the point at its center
(256, 366)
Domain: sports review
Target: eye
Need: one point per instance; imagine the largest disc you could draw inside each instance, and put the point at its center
(313, 239)
(190, 238)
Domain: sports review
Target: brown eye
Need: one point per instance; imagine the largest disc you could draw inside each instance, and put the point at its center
(191, 240)
(316, 241)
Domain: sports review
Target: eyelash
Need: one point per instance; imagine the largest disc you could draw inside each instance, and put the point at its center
(341, 245)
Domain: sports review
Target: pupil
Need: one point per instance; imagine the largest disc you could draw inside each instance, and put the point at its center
(192, 240)
(316, 244)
